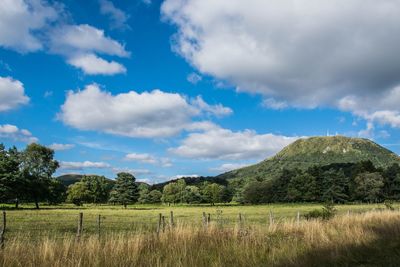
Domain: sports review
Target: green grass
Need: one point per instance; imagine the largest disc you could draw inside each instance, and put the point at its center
(62, 220)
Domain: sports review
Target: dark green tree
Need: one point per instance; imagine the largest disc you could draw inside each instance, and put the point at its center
(368, 187)
(125, 190)
(302, 187)
(391, 188)
(335, 186)
(38, 165)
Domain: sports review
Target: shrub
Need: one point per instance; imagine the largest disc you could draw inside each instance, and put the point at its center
(327, 212)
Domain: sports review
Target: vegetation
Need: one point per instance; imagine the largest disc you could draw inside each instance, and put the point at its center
(368, 239)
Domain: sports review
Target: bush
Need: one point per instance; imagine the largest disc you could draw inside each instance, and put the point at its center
(327, 212)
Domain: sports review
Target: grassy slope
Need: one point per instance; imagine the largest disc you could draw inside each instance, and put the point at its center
(305, 153)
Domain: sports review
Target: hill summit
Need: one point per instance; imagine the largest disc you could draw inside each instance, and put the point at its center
(318, 151)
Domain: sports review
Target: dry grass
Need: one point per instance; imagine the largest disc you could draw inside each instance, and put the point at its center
(368, 239)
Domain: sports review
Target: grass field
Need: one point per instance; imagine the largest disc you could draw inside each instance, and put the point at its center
(361, 238)
(62, 220)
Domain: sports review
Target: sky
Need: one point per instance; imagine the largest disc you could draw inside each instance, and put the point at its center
(164, 89)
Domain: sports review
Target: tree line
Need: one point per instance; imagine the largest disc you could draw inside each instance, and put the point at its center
(337, 183)
(27, 176)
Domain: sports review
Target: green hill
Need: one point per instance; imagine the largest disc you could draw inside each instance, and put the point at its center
(320, 151)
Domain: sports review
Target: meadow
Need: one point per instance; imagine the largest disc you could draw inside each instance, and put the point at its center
(359, 235)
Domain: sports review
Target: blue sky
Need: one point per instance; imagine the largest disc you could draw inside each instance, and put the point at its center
(169, 88)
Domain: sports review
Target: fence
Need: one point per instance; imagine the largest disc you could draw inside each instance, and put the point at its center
(59, 225)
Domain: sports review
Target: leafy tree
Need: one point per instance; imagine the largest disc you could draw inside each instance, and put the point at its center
(368, 186)
(57, 192)
(391, 188)
(11, 182)
(280, 185)
(38, 165)
(171, 193)
(212, 193)
(78, 193)
(335, 186)
(302, 187)
(155, 196)
(144, 195)
(125, 190)
(259, 192)
(192, 194)
(98, 188)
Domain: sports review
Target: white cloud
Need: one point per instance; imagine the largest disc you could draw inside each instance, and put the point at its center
(303, 53)
(179, 176)
(61, 147)
(75, 165)
(14, 133)
(194, 78)
(118, 17)
(147, 114)
(148, 159)
(219, 143)
(142, 158)
(80, 44)
(92, 64)
(19, 22)
(12, 94)
(138, 172)
(218, 110)
(228, 167)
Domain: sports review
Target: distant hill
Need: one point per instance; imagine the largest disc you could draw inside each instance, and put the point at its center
(320, 151)
(68, 179)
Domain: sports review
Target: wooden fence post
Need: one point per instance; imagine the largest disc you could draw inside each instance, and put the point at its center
(208, 219)
(3, 230)
(298, 218)
(204, 219)
(240, 220)
(159, 223)
(163, 224)
(172, 219)
(99, 225)
(80, 225)
(271, 218)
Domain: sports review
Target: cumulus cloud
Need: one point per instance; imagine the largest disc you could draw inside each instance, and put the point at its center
(12, 94)
(138, 172)
(218, 110)
(14, 133)
(118, 17)
(132, 114)
(92, 64)
(80, 44)
(61, 147)
(219, 143)
(20, 20)
(76, 165)
(304, 53)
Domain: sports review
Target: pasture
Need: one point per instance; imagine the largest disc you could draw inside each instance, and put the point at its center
(364, 235)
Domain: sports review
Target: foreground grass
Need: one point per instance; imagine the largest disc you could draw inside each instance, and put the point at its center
(367, 239)
(62, 220)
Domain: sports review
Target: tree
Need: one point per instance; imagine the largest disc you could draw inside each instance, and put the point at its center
(155, 196)
(11, 182)
(78, 193)
(391, 188)
(98, 188)
(192, 194)
(335, 186)
(368, 186)
(171, 193)
(144, 194)
(38, 165)
(57, 192)
(259, 192)
(125, 190)
(302, 187)
(212, 193)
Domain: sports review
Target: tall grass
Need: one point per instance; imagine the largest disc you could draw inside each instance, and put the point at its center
(368, 239)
